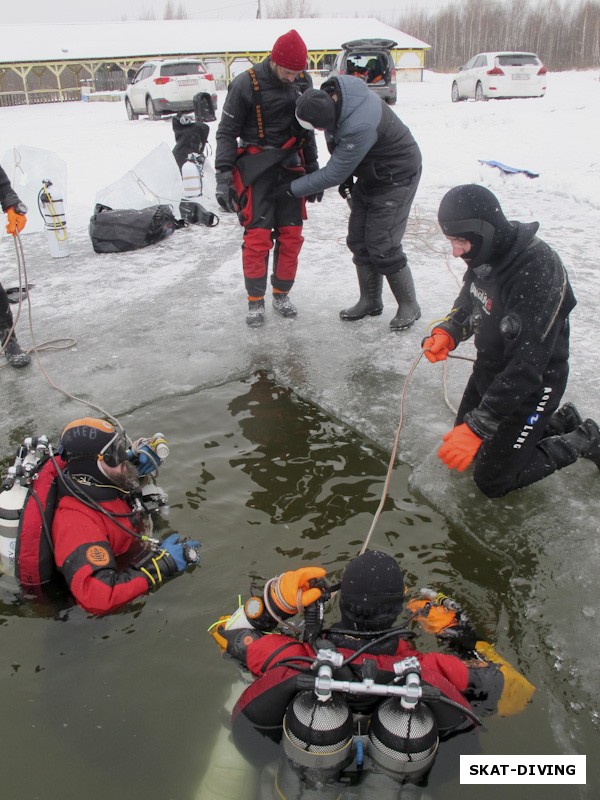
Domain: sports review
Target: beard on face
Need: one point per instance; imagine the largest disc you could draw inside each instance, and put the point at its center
(128, 478)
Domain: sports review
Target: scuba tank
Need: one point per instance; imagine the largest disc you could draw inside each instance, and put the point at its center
(13, 494)
(51, 207)
(191, 174)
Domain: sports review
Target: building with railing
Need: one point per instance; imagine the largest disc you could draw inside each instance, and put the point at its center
(52, 62)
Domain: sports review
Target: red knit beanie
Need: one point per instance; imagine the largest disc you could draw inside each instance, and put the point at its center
(289, 52)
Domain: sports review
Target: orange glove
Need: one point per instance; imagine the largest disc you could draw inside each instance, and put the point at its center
(432, 617)
(284, 589)
(459, 448)
(438, 345)
(16, 222)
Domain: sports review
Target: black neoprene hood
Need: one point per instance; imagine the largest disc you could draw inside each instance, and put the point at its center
(473, 211)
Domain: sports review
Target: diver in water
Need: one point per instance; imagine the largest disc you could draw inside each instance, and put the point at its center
(515, 301)
(360, 662)
(99, 519)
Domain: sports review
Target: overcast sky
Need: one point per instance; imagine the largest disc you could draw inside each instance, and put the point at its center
(116, 10)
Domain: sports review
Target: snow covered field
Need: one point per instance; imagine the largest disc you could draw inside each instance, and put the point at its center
(170, 319)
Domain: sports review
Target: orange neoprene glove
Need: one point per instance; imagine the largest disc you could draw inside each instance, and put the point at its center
(432, 617)
(16, 222)
(438, 345)
(284, 589)
(459, 448)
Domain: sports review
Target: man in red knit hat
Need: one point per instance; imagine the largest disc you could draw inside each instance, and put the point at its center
(261, 146)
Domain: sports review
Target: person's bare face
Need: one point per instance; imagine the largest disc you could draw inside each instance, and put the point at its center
(460, 247)
(124, 475)
(286, 75)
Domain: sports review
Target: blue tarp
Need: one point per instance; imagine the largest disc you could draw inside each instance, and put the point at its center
(510, 170)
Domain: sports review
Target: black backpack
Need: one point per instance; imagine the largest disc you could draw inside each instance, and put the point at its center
(203, 107)
(117, 231)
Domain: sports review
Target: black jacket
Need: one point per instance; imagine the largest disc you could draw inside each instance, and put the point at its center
(277, 101)
(517, 309)
(8, 196)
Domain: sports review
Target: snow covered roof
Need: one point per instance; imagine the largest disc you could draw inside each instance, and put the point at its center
(76, 42)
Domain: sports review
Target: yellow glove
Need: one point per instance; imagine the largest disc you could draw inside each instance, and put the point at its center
(517, 690)
(217, 630)
(284, 590)
(16, 222)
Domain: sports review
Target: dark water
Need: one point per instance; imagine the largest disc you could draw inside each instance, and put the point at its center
(129, 706)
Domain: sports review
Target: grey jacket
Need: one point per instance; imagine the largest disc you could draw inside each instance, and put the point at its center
(369, 141)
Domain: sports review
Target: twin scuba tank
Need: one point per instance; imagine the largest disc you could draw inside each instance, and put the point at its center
(13, 495)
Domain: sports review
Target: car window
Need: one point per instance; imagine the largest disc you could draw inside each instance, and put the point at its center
(481, 61)
(471, 63)
(517, 60)
(182, 68)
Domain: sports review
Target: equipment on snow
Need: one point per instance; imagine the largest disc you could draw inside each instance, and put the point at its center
(118, 231)
(51, 207)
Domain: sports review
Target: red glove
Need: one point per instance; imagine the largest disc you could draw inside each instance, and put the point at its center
(16, 222)
(438, 345)
(459, 448)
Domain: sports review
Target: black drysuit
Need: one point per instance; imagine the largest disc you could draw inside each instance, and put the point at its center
(517, 309)
(8, 199)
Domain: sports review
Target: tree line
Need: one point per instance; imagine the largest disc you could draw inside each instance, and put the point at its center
(564, 37)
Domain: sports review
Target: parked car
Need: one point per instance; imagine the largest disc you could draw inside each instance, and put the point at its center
(371, 60)
(168, 86)
(502, 74)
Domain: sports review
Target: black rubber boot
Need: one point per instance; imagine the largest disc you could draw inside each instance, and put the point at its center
(370, 283)
(15, 356)
(283, 305)
(403, 287)
(585, 441)
(564, 420)
(256, 313)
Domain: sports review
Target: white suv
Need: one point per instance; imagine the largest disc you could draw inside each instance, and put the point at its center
(168, 86)
(501, 74)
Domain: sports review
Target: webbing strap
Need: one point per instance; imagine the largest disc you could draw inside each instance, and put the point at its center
(257, 97)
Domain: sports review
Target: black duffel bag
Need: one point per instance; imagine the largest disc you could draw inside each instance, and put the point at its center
(117, 231)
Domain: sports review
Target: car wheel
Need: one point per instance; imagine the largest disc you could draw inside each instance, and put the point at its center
(456, 98)
(130, 112)
(150, 110)
(479, 95)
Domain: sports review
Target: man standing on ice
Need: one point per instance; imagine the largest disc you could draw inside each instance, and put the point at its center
(515, 301)
(367, 141)
(260, 146)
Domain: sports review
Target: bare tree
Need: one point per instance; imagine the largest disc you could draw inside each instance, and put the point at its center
(290, 9)
(146, 15)
(564, 36)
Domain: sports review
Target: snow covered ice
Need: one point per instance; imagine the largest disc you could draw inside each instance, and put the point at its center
(170, 319)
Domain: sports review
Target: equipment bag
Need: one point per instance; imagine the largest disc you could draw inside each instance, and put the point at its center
(117, 231)
(203, 107)
(194, 213)
(34, 555)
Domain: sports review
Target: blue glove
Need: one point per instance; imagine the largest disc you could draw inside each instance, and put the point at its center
(145, 460)
(182, 551)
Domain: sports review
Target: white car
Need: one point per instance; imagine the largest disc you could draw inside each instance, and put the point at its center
(168, 86)
(501, 74)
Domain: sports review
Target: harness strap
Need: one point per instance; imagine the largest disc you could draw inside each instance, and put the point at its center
(257, 98)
